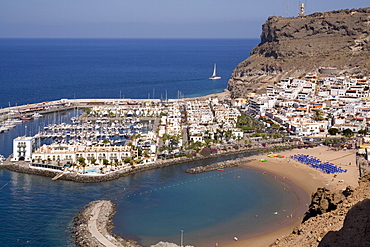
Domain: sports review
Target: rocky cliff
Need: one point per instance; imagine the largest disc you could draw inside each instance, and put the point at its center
(339, 218)
(294, 46)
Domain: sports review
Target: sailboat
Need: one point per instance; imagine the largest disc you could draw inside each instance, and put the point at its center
(214, 76)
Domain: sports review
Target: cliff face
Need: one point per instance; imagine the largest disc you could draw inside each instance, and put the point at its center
(335, 218)
(295, 46)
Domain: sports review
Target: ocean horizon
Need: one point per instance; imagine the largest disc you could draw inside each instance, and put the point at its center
(37, 70)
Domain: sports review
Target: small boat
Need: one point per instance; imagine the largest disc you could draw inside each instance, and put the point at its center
(214, 76)
(25, 118)
(220, 169)
(36, 115)
(2, 158)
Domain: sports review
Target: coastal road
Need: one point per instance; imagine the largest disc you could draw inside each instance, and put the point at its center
(93, 228)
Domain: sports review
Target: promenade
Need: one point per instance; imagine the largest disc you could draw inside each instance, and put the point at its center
(93, 228)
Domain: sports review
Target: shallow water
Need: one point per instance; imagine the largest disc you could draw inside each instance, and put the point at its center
(209, 207)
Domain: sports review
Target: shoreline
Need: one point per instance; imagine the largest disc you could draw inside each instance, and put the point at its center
(262, 237)
(305, 178)
(23, 167)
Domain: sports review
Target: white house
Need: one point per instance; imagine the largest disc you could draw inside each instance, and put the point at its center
(22, 149)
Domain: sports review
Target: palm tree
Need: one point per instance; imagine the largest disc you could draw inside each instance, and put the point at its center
(317, 116)
(92, 160)
(105, 162)
(82, 162)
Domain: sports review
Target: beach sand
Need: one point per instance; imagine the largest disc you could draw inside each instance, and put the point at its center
(308, 179)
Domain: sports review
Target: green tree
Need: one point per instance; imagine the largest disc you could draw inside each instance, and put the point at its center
(82, 163)
(92, 160)
(105, 162)
(127, 160)
(146, 154)
(362, 132)
(347, 132)
(333, 131)
(318, 116)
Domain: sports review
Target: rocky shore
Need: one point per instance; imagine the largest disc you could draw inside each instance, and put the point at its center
(335, 218)
(23, 167)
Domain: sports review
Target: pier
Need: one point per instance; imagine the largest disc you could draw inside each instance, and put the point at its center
(62, 105)
(93, 224)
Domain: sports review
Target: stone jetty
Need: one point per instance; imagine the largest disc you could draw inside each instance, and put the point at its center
(92, 226)
(219, 165)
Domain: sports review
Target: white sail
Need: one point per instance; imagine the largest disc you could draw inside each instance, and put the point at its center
(214, 71)
(214, 75)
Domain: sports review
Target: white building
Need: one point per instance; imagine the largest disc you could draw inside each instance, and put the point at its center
(65, 152)
(22, 149)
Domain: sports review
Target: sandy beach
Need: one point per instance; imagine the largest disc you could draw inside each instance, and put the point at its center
(306, 178)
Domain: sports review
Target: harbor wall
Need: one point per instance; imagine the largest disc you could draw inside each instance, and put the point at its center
(23, 167)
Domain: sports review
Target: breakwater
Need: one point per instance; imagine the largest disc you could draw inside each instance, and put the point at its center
(219, 165)
(92, 226)
(23, 167)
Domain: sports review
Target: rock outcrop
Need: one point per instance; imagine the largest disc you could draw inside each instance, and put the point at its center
(295, 46)
(340, 218)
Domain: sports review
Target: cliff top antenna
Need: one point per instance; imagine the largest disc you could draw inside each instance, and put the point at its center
(302, 10)
(287, 8)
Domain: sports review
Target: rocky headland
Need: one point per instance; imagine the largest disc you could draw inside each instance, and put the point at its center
(335, 218)
(336, 42)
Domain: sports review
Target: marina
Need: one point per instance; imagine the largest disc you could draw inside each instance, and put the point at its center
(50, 205)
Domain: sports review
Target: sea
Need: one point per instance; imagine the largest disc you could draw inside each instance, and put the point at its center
(159, 205)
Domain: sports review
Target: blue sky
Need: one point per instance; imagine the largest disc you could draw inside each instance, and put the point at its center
(149, 18)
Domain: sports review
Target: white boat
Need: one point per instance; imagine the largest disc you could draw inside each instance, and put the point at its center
(36, 115)
(214, 76)
(2, 159)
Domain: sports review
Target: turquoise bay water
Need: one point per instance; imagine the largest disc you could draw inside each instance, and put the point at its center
(210, 207)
